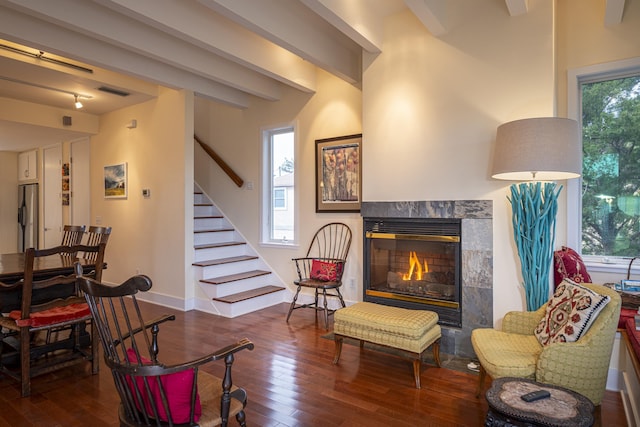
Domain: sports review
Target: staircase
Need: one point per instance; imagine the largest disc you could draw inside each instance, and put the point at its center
(229, 271)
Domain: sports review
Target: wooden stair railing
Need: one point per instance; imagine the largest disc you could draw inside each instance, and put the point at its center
(223, 165)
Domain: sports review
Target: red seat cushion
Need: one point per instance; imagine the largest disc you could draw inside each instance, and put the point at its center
(568, 264)
(325, 271)
(52, 316)
(634, 336)
(625, 313)
(177, 387)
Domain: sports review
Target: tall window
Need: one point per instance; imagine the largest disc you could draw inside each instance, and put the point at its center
(279, 207)
(609, 194)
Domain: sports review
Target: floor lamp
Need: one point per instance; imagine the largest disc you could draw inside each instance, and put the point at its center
(538, 151)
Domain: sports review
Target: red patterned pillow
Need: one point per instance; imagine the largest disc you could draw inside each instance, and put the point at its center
(569, 265)
(570, 313)
(325, 271)
(178, 389)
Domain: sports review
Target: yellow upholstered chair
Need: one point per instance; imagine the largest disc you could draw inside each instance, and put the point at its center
(581, 366)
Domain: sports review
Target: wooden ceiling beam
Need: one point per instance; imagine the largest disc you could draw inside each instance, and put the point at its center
(431, 13)
(60, 40)
(291, 25)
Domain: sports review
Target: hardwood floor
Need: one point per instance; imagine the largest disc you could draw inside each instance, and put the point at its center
(289, 378)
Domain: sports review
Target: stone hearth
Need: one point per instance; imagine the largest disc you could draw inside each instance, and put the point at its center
(477, 260)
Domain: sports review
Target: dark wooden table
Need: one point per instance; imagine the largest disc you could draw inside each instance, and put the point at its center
(12, 271)
(563, 408)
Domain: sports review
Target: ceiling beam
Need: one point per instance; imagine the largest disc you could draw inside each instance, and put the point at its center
(613, 11)
(431, 13)
(198, 25)
(290, 24)
(356, 19)
(517, 7)
(105, 25)
(26, 29)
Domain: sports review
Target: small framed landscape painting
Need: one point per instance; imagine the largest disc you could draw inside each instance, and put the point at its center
(339, 174)
(115, 181)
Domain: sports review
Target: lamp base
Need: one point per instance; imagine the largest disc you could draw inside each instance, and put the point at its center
(534, 208)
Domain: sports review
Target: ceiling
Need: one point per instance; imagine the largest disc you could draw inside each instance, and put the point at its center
(228, 51)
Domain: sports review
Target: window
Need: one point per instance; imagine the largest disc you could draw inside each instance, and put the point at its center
(607, 197)
(279, 208)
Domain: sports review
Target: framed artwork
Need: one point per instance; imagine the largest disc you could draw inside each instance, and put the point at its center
(339, 174)
(115, 181)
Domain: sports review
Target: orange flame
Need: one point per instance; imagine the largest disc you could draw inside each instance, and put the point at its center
(414, 265)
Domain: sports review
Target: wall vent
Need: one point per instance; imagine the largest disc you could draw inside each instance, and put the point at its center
(113, 91)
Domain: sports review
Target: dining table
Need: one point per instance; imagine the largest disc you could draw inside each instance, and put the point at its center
(12, 271)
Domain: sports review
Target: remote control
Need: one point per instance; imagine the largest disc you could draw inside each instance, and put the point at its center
(535, 395)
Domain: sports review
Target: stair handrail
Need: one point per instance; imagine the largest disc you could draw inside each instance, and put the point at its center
(223, 165)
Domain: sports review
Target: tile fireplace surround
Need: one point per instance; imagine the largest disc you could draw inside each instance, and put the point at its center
(477, 260)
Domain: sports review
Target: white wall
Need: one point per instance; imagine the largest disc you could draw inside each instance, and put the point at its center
(431, 107)
(151, 236)
(334, 110)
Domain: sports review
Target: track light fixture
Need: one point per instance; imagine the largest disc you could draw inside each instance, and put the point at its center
(78, 104)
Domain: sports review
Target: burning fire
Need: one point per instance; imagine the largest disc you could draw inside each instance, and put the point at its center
(414, 265)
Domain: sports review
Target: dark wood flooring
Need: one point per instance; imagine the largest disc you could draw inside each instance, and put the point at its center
(289, 378)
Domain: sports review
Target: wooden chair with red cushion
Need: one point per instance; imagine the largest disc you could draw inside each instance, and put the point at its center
(153, 393)
(48, 304)
(322, 267)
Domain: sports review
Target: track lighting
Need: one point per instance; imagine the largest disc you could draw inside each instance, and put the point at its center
(78, 104)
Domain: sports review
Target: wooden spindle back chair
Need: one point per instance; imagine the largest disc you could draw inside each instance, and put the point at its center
(72, 235)
(152, 393)
(322, 267)
(49, 304)
(95, 236)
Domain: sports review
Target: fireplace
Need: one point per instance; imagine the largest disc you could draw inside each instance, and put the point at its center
(414, 263)
(462, 293)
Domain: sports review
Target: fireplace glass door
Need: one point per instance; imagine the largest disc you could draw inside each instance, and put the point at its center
(414, 267)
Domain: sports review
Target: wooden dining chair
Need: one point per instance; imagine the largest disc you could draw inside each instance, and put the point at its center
(51, 303)
(153, 393)
(322, 267)
(95, 236)
(72, 235)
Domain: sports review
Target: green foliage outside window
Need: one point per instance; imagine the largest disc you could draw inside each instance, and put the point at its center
(611, 167)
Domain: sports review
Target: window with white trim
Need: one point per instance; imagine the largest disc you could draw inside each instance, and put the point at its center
(278, 192)
(605, 99)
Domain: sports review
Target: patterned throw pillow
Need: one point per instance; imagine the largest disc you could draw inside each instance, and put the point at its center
(325, 271)
(569, 265)
(570, 313)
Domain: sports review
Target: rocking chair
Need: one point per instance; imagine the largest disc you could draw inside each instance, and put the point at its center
(152, 393)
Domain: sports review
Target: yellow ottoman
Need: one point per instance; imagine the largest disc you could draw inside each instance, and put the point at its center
(411, 331)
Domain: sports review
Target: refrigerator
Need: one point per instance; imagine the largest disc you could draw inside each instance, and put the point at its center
(27, 216)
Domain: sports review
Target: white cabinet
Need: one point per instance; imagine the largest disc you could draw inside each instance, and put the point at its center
(27, 166)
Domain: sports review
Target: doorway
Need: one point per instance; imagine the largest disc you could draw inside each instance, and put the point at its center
(80, 200)
(52, 195)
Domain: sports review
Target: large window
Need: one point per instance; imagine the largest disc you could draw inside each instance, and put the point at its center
(279, 207)
(607, 197)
